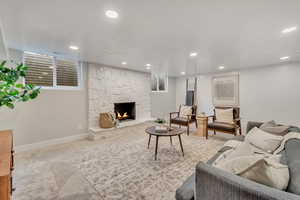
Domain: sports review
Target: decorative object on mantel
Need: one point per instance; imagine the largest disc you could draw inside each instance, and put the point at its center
(107, 120)
(225, 90)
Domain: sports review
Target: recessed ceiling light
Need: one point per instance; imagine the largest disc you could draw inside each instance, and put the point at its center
(124, 63)
(193, 54)
(221, 67)
(148, 68)
(148, 65)
(112, 14)
(288, 30)
(182, 73)
(284, 58)
(74, 47)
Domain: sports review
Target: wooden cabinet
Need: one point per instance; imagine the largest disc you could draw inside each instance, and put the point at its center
(202, 126)
(6, 164)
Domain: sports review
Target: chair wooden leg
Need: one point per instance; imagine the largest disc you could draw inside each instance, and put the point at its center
(196, 124)
(214, 132)
(188, 129)
(240, 131)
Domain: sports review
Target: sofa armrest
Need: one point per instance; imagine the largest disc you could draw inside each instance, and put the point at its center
(215, 184)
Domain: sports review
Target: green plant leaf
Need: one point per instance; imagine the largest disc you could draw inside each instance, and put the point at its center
(19, 85)
(10, 90)
(3, 63)
(10, 105)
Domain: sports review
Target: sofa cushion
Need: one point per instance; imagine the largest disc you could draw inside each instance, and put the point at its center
(224, 115)
(258, 168)
(186, 190)
(272, 127)
(221, 126)
(263, 140)
(292, 152)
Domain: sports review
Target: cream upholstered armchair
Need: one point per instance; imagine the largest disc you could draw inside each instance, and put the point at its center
(184, 117)
(226, 120)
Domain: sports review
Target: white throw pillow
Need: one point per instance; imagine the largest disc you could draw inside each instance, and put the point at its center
(185, 111)
(267, 171)
(263, 140)
(224, 115)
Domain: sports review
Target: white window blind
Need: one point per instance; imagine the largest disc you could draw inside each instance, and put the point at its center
(49, 71)
(40, 69)
(66, 73)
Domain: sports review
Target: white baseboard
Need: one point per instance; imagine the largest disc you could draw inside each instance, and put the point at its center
(39, 145)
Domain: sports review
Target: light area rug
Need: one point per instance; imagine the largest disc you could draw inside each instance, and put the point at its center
(116, 166)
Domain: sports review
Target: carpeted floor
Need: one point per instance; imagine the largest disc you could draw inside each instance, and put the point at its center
(117, 166)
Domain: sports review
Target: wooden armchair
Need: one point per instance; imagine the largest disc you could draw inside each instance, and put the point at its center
(231, 128)
(178, 119)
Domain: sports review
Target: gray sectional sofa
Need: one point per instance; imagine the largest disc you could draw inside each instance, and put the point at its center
(210, 183)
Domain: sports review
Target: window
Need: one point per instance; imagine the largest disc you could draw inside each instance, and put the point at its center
(51, 72)
(159, 83)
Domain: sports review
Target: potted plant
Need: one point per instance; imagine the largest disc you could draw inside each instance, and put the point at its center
(12, 89)
(160, 121)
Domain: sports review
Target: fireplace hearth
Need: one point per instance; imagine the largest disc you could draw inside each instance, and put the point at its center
(125, 111)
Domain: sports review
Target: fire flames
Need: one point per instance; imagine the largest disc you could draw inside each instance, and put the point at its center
(124, 116)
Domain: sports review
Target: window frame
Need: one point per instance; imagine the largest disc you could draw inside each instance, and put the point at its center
(166, 79)
(79, 66)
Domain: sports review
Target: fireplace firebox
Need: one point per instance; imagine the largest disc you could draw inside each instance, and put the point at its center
(125, 111)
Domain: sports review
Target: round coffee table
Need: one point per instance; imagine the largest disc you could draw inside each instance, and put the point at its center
(172, 132)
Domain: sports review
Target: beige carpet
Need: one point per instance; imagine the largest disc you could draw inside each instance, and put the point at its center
(117, 166)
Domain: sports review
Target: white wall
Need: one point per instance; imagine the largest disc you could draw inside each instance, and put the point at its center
(62, 113)
(265, 93)
(54, 114)
(271, 93)
(180, 91)
(162, 103)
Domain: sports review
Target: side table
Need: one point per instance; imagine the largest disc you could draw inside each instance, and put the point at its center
(202, 126)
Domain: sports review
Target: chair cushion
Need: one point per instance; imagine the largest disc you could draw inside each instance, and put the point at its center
(224, 115)
(221, 126)
(185, 111)
(179, 120)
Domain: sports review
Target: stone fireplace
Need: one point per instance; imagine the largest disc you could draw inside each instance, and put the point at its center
(125, 111)
(109, 86)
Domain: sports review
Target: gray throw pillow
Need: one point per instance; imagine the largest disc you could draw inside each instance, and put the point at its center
(273, 128)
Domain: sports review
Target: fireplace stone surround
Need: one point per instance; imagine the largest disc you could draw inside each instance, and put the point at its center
(109, 85)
